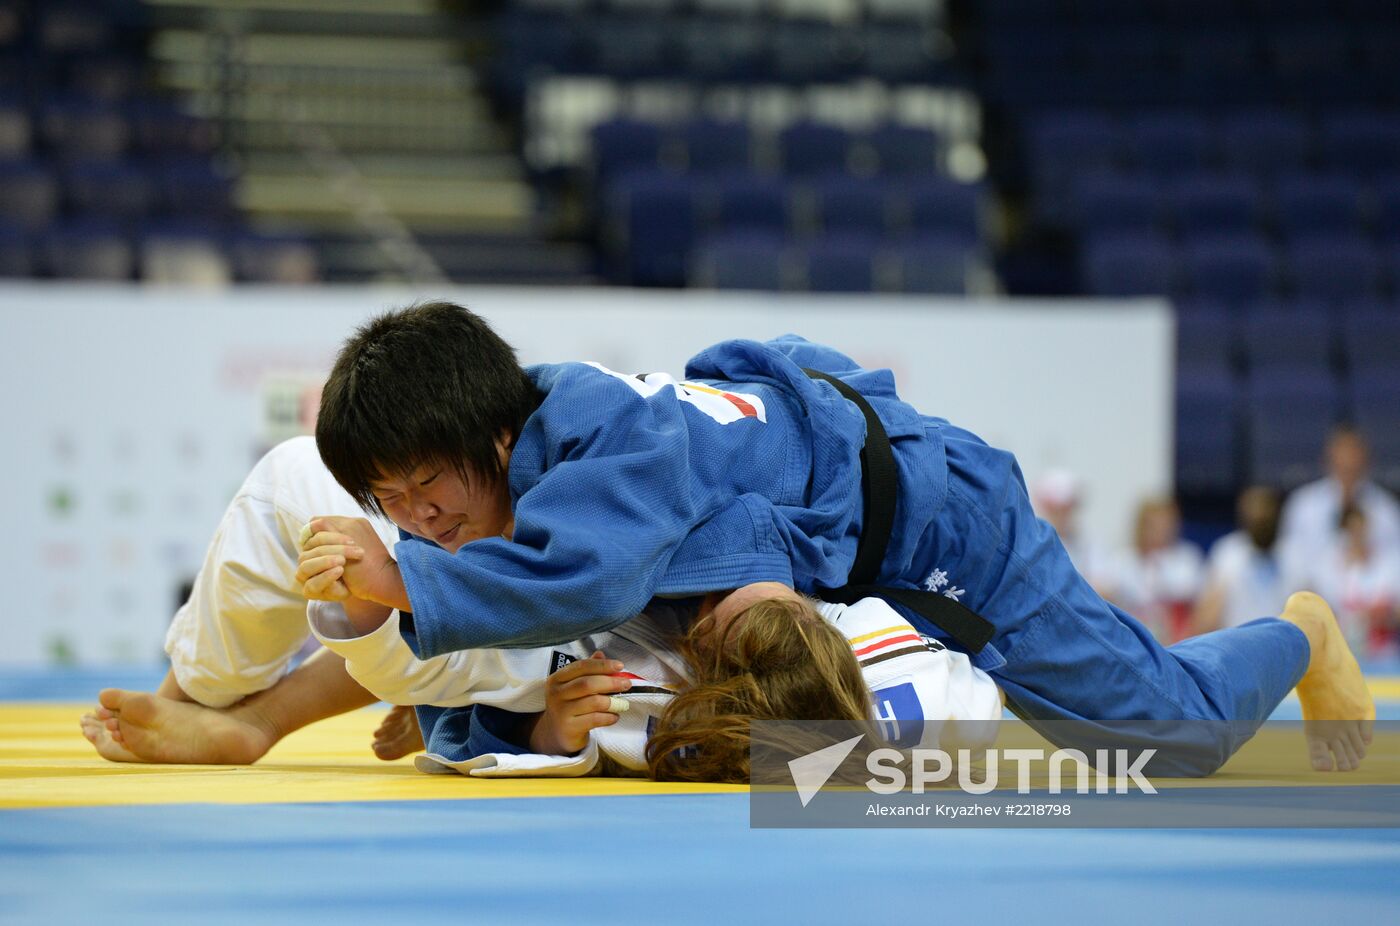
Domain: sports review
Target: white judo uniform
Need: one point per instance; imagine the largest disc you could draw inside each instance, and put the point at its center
(922, 692)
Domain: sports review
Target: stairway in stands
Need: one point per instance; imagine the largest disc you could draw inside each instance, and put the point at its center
(361, 123)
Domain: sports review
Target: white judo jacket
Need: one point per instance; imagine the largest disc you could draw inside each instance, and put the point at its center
(919, 687)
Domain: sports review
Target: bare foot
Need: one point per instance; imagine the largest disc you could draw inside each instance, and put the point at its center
(95, 731)
(398, 735)
(1338, 713)
(148, 728)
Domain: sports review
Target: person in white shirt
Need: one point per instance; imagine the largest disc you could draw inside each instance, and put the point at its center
(1245, 579)
(1157, 581)
(1313, 511)
(1363, 581)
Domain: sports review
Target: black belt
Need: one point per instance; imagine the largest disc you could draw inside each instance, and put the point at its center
(879, 485)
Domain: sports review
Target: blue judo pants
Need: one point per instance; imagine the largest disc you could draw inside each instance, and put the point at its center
(1081, 671)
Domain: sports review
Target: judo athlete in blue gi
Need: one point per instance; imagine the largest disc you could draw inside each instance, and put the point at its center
(596, 491)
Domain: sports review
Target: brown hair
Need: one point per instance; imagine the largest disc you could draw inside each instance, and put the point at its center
(778, 660)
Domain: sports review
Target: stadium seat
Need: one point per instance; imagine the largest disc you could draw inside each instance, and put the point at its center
(193, 186)
(750, 202)
(1371, 339)
(1238, 268)
(621, 145)
(269, 258)
(109, 189)
(1387, 193)
(1206, 337)
(1117, 202)
(1374, 398)
(1204, 203)
(1290, 415)
(1129, 265)
(1296, 337)
(15, 131)
(851, 205)
(653, 218)
(17, 257)
(843, 263)
(1207, 433)
(741, 260)
(904, 149)
(89, 250)
(1335, 267)
(1264, 142)
(29, 194)
(1307, 204)
(1168, 143)
(1361, 143)
(712, 145)
(809, 148)
(82, 129)
(933, 263)
(939, 206)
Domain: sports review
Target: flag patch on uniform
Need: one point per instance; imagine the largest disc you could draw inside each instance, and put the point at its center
(889, 643)
(642, 686)
(899, 713)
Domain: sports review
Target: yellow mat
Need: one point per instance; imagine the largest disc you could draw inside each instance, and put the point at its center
(45, 762)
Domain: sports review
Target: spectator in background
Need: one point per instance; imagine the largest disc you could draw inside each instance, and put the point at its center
(1245, 578)
(1057, 497)
(1157, 581)
(1362, 581)
(1313, 512)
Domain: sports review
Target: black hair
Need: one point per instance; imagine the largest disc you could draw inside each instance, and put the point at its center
(431, 382)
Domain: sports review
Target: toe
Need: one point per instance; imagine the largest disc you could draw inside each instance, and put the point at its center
(1320, 755)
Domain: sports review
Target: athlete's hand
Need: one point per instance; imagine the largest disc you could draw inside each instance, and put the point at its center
(353, 547)
(578, 698)
(321, 565)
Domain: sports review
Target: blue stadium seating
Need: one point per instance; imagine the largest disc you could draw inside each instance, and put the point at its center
(1204, 203)
(939, 206)
(1296, 337)
(655, 218)
(1313, 203)
(904, 149)
(621, 145)
(1207, 433)
(750, 202)
(1264, 142)
(1289, 415)
(1237, 268)
(712, 145)
(842, 263)
(1117, 202)
(29, 194)
(1206, 338)
(89, 250)
(1371, 338)
(1335, 267)
(810, 148)
(1129, 265)
(851, 204)
(932, 263)
(1169, 143)
(741, 260)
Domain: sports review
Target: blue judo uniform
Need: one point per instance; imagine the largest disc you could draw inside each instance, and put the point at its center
(627, 487)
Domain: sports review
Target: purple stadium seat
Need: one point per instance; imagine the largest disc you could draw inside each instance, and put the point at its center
(1129, 265)
(904, 149)
(933, 263)
(652, 217)
(110, 189)
(1290, 414)
(621, 145)
(1371, 339)
(851, 204)
(28, 194)
(809, 148)
(843, 263)
(1317, 203)
(742, 260)
(194, 187)
(1237, 268)
(1334, 267)
(1206, 336)
(16, 252)
(89, 250)
(83, 129)
(1169, 143)
(1205, 203)
(750, 201)
(1109, 202)
(1262, 142)
(1387, 192)
(1361, 142)
(712, 145)
(1296, 337)
(1207, 432)
(939, 205)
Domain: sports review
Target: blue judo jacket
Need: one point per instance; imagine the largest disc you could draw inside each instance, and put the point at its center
(626, 487)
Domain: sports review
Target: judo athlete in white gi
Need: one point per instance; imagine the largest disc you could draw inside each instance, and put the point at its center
(246, 620)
